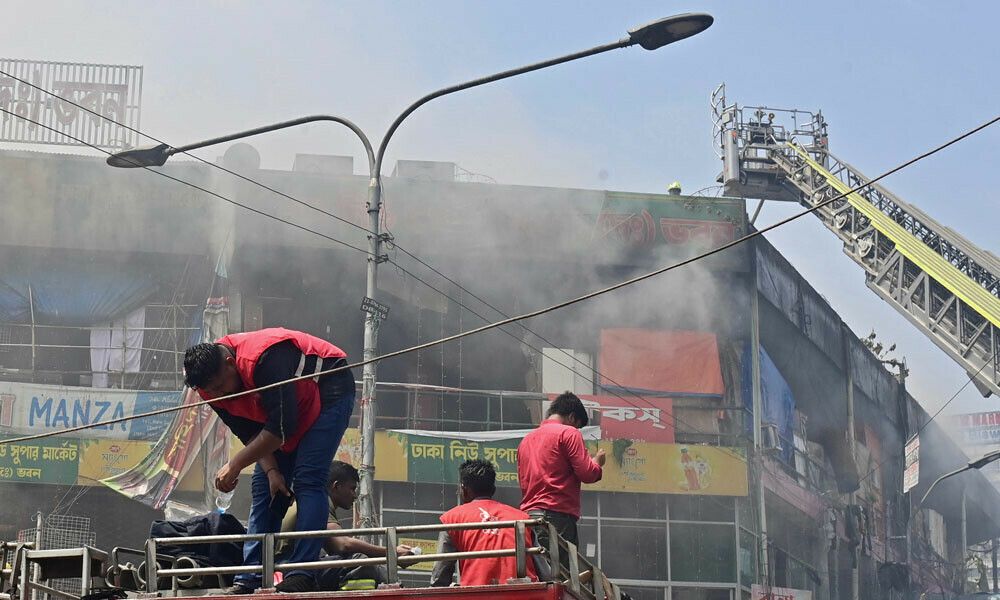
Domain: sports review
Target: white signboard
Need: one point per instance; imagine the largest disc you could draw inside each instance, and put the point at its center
(760, 592)
(911, 474)
(27, 408)
(978, 428)
(41, 100)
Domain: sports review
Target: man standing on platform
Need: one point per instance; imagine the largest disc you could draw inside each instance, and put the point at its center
(291, 431)
(552, 462)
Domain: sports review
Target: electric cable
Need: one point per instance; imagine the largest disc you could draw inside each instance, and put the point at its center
(392, 244)
(542, 311)
(404, 270)
(198, 158)
(198, 187)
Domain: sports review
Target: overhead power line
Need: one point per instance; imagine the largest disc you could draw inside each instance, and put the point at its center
(545, 310)
(403, 269)
(393, 244)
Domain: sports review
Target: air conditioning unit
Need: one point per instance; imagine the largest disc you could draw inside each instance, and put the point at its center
(770, 441)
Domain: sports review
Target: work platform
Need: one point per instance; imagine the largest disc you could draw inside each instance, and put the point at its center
(162, 575)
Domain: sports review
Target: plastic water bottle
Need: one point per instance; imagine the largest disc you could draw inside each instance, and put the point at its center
(223, 501)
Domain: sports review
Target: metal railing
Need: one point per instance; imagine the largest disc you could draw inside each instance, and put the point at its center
(581, 577)
(10, 553)
(165, 342)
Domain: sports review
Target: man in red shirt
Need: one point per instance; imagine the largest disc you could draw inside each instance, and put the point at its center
(291, 431)
(478, 484)
(552, 462)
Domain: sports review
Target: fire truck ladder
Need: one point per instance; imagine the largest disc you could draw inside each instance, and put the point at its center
(946, 286)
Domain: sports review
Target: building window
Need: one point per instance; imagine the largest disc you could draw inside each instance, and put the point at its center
(702, 508)
(702, 552)
(634, 550)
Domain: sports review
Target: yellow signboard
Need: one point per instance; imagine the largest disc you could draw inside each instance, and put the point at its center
(673, 469)
(103, 458)
(426, 547)
(390, 455)
(631, 466)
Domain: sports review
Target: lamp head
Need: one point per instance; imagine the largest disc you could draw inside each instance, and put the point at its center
(979, 463)
(669, 30)
(146, 156)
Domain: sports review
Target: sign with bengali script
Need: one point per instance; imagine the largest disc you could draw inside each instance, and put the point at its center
(436, 459)
(49, 460)
(100, 459)
(911, 464)
(426, 547)
(690, 224)
(153, 478)
(634, 417)
(638, 467)
(762, 592)
(41, 100)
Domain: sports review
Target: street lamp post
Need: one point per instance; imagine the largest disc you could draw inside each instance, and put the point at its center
(978, 463)
(650, 36)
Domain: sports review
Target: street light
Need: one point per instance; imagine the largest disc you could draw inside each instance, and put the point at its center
(670, 29)
(650, 36)
(979, 463)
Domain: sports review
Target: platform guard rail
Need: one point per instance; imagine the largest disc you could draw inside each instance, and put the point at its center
(582, 578)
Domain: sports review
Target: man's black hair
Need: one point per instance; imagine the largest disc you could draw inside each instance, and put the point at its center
(567, 404)
(478, 476)
(202, 362)
(343, 473)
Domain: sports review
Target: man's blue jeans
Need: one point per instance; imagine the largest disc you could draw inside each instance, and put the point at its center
(306, 470)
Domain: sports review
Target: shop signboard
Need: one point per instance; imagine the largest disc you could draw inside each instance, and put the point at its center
(48, 460)
(109, 95)
(638, 467)
(977, 429)
(27, 408)
(633, 417)
(100, 459)
(766, 592)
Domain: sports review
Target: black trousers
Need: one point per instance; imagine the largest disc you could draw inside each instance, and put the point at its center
(565, 526)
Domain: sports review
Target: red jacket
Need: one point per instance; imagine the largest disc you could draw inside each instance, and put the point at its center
(482, 571)
(552, 461)
(249, 346)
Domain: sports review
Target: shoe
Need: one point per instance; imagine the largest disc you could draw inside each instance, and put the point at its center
(297, 583)
(237, 589)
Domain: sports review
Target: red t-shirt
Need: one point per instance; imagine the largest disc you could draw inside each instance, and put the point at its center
(552, 462)
(482, 571)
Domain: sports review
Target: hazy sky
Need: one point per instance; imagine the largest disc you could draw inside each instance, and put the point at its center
(894, 79)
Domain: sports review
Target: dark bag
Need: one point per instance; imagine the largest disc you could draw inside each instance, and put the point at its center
(225, 554)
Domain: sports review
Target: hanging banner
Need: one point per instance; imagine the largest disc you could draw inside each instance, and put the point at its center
(192, 436)
(911, 462)
(48, 460)
(152, 480)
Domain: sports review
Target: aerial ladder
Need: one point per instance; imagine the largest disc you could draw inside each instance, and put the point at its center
(945, 285)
